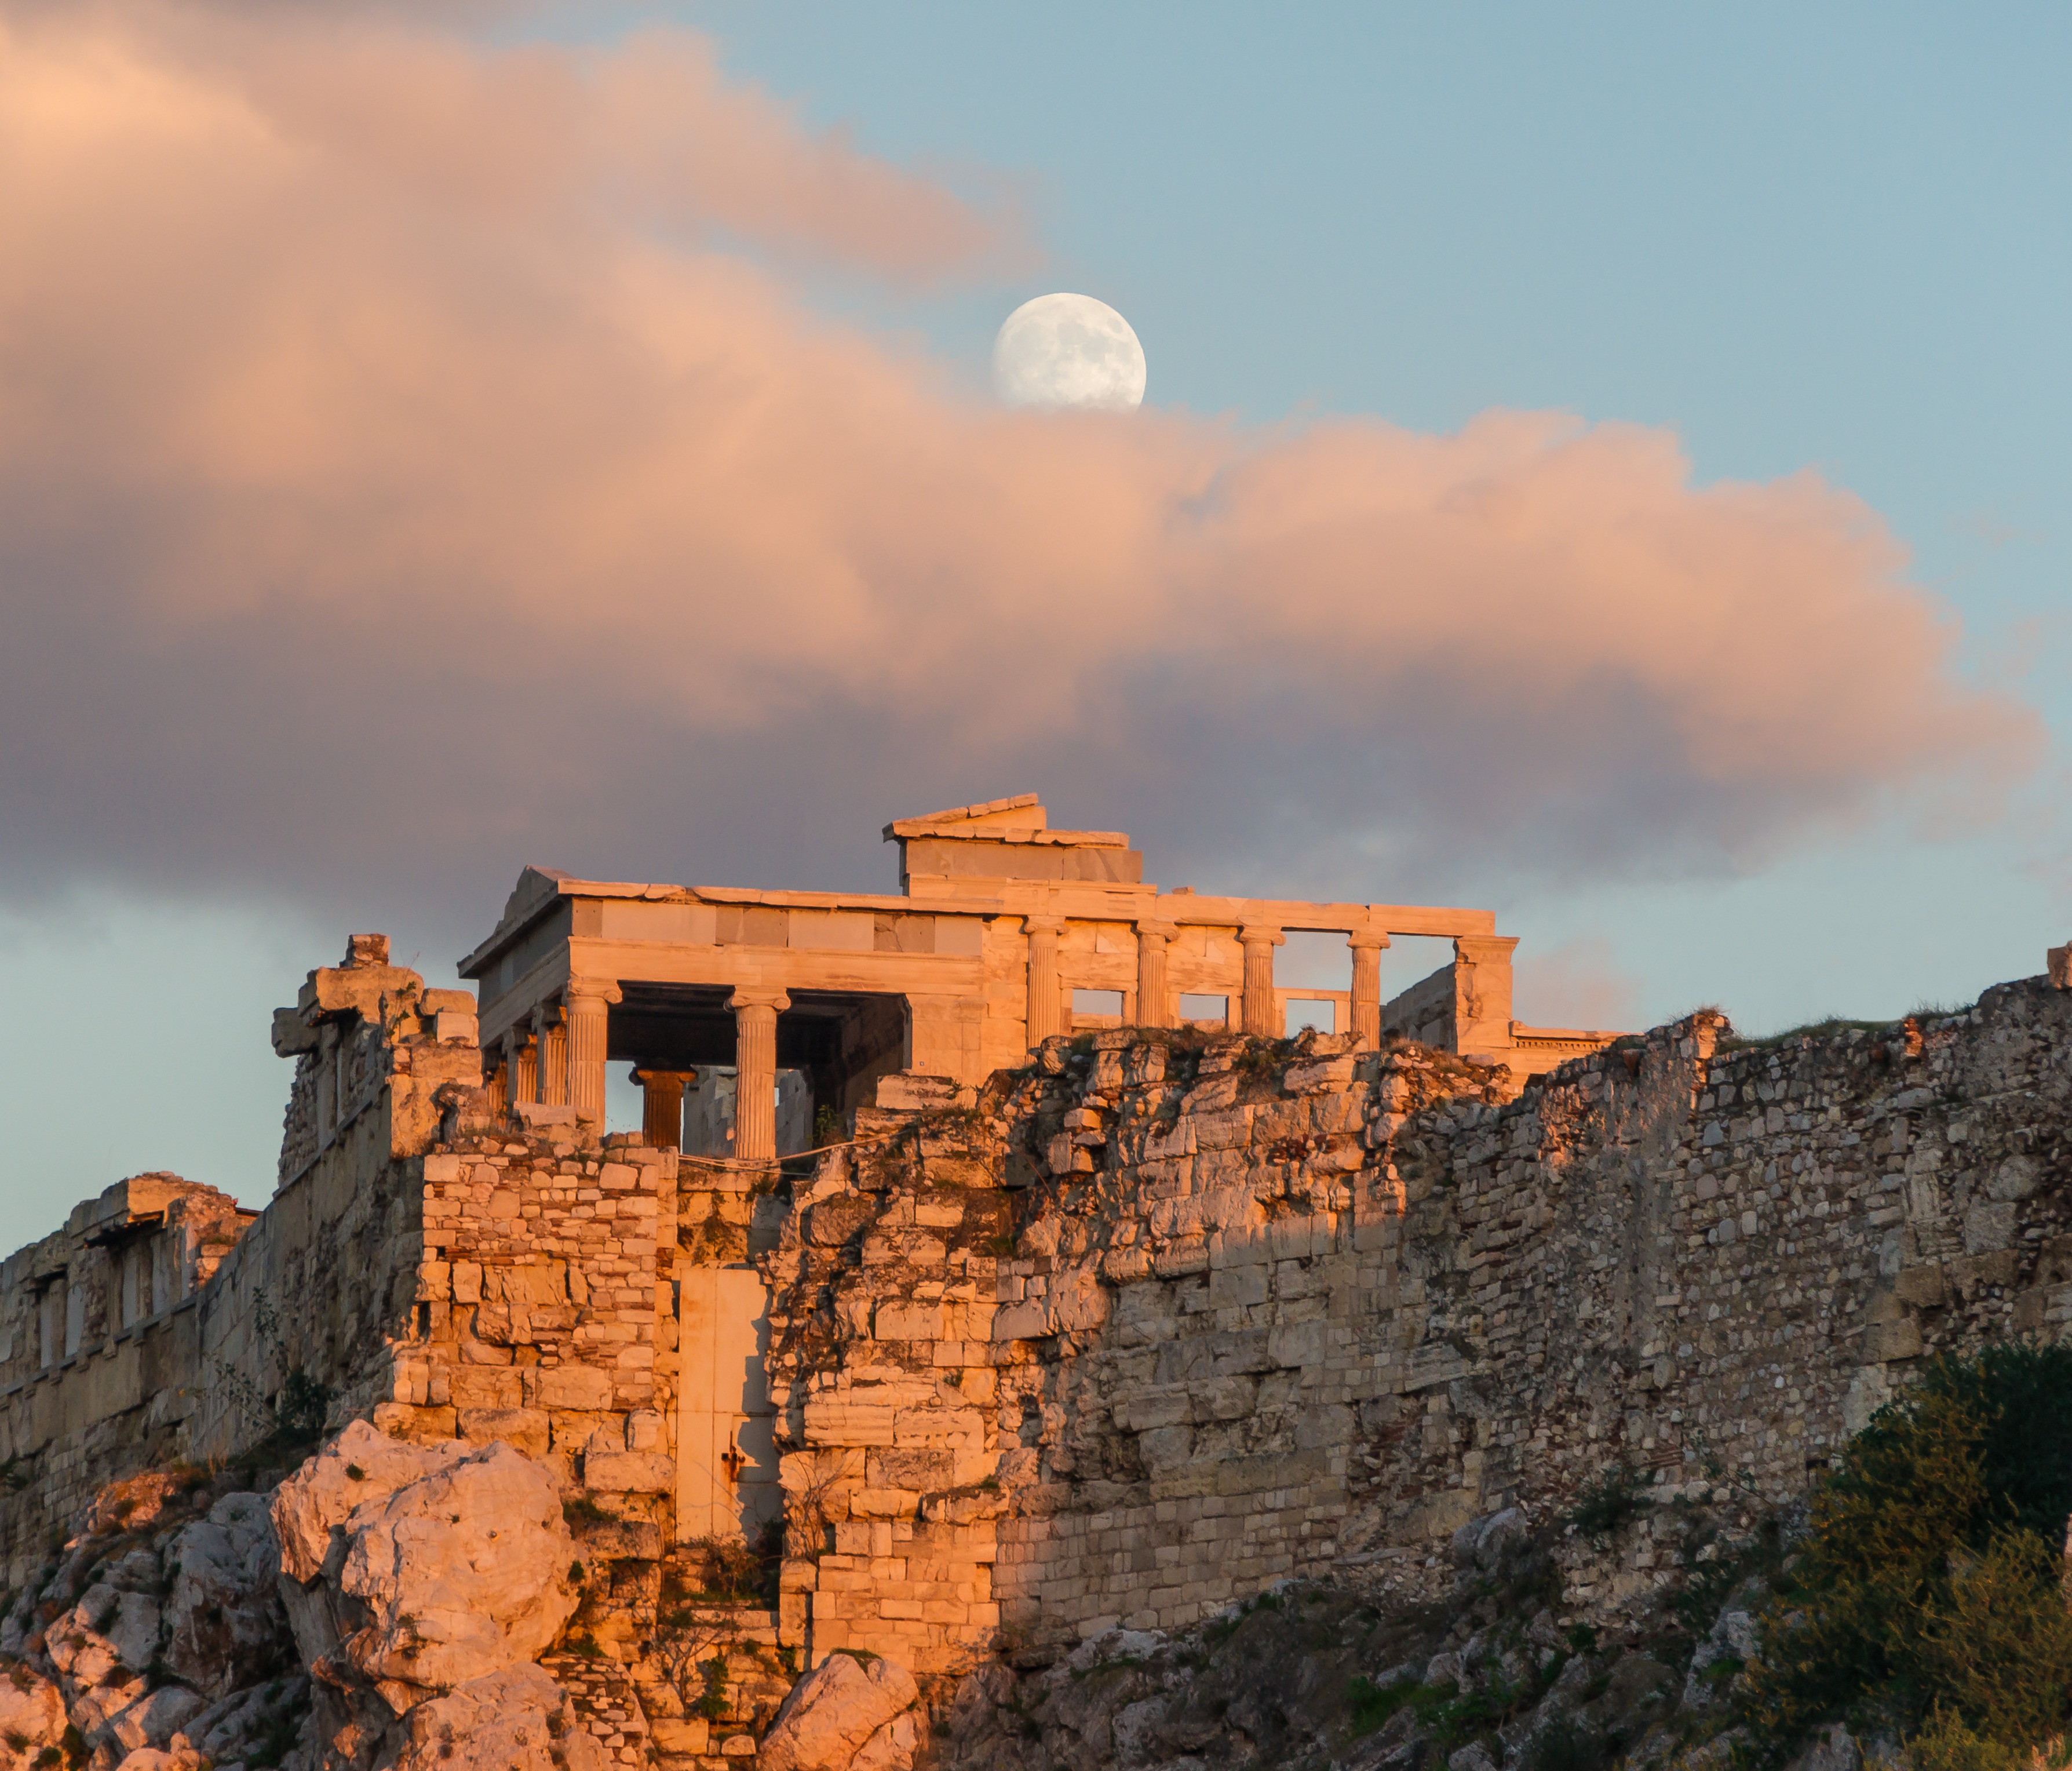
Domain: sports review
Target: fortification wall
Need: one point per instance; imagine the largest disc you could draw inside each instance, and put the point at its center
(1155, 1326)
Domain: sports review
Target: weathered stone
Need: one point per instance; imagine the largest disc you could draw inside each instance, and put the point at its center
(438, 1566)
(833, 1711)
(224, 1619)
(515, 1718)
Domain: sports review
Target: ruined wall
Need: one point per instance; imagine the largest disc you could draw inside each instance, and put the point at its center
(536, 1315)
(1159, 1323)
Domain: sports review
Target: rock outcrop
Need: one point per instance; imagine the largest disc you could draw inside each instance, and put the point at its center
(516, 1719)
(846, 1715)
(419, 1568)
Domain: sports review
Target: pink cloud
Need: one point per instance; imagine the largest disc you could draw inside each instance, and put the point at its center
(394, 476)
(1576, 982)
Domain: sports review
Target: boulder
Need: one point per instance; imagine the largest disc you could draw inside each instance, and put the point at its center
(833, 1711)
(152, 1758)
(1482, 1542)
(152, 1720)
(226, 1626)
(106, 1630)
(360, 1465)
(237, 1729)
(31, 1710)
(420, 1568)
(516, 1719)
(131, 1504)
(892, 1748)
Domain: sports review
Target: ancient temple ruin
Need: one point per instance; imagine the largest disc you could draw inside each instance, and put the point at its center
(1001, 923)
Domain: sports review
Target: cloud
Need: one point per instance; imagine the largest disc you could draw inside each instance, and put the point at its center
(1576, 982)
(400, 479)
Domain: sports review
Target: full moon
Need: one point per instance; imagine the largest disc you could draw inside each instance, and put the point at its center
(1068, 351)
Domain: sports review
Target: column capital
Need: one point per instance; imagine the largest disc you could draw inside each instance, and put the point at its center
(642, 1076)
(1043, 924)
(1253, 934)
(1153, 930)
(594, 990)
(1361, 940)
(747, 996)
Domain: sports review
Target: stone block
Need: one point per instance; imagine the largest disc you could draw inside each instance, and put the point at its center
(419, 1426)
(908, 1321)
(574, 1386)
(523, 1429)
(629, 1472)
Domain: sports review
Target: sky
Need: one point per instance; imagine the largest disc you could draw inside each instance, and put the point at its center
(1601, 464)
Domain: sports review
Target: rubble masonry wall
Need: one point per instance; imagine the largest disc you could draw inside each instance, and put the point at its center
(1149, 1328)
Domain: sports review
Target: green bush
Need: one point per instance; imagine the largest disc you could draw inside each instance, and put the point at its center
(1926, 1598)
(1611, 1502)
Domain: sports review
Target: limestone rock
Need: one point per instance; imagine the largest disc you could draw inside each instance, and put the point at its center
(1482, 1542)
(516, 1719)
(428, 1568)
(1730, 1645)
(892, 1748)
(152, 1720)
(152, 1758)
(834, 1711)
(223, 1616)
(31, 1710)
(235, 1729)
(362, 1464)
(107, 1630)
(131, 1504)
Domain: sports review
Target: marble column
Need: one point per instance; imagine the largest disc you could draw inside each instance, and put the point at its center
(1154, 1001)
(1258, 1015)
(755, 1013)
(589, 1002)
(1045, 1015)
(521, 1066)
(551, 1031)
(662, 1106)
(1366, 986)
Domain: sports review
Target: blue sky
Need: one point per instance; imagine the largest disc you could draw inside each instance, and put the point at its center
(1828, 238)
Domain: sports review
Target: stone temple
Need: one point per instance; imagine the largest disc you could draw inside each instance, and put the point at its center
(1004, 931)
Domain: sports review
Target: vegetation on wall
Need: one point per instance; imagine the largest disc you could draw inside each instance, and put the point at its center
(1927, 1604)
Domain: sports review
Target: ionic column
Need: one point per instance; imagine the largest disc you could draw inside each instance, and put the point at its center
(1045, 1011)
(1259, 943)
(1154, 1006)
(521, 1068)
(589, 1003)
(496, 1091)
(755, 1013)
(662, 1106)
(1366, 986)
(551, 1034)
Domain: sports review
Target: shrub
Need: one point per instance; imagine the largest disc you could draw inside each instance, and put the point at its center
(1373, 1704)
(1926, 1597)
(1609, 1502)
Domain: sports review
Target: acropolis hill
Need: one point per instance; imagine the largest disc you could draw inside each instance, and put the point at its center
(1000, 1316)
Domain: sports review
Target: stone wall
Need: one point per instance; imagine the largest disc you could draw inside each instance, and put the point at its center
(1160, 1323)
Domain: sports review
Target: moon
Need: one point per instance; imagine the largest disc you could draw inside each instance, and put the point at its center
(1068, 351)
